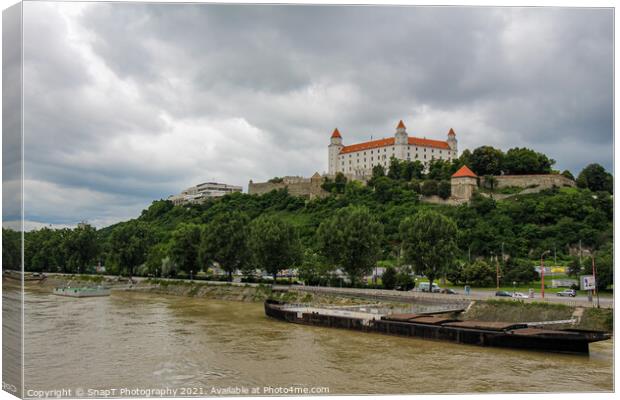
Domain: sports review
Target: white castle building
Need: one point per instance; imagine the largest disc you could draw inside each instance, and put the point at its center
(202, 192)
(359, 159)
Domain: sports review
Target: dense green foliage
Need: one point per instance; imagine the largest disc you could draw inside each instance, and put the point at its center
(351, 240)
(429, 243)
(274, 244)
(225, 241)
(595, 178)
(241, 231)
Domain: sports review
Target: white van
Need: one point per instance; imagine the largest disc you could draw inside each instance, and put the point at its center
(423, 287)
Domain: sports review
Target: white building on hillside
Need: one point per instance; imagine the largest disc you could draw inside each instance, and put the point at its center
(359, 159)
(202, 192)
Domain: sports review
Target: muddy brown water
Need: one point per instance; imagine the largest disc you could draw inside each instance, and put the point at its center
(144, 341)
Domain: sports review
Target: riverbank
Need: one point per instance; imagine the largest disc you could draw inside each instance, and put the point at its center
(485, 309)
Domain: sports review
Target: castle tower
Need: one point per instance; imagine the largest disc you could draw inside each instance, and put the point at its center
(401, 140)
(463, 183)
(335, 146)
(452, 142)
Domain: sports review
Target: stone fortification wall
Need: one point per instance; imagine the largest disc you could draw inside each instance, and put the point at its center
(296, 186)
(539, 181)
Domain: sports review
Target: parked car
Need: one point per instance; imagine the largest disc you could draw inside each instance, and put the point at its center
(567, 292)
(448, 291)
(503, 293)
(423, 287)
(519, 295)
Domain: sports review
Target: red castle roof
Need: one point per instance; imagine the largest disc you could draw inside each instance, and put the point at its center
(336, 134)
(463, 172)
(451, 132)
(401, 125)
(373, 144)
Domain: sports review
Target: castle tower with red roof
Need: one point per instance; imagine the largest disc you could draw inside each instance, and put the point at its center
(357, 160)
(463, 183)
(335, 147)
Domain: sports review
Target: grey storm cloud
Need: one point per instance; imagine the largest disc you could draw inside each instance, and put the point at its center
(130, 102)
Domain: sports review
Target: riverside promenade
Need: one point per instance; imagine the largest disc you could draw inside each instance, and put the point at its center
(458, 300)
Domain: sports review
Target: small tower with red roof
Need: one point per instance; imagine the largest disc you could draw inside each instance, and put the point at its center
(463, 183)
(335, 146)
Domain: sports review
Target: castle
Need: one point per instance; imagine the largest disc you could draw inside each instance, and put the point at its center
(357, 160)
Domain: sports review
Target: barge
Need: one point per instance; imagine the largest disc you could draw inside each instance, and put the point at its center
(440, 327)
(98, 291)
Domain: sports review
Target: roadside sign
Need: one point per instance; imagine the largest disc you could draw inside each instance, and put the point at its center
(588, 282)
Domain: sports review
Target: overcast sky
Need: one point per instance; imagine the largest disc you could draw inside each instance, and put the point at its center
(128, 103)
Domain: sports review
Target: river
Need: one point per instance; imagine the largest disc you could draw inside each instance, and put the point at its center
(141, 340)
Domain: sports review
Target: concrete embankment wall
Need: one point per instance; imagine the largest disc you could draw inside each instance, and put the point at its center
(486, 310)
(520, 311)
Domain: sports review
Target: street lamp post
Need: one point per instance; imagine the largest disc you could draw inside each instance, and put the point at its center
(542, 273)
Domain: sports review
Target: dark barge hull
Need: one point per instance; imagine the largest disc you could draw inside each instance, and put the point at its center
(517, 336)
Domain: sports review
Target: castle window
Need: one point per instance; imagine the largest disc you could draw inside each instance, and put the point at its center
(425, 156)
(416, 156)
(425, 151)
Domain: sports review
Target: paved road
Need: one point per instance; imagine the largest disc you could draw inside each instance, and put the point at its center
(475, 294)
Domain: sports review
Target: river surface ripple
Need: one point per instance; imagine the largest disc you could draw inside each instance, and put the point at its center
(144, 340)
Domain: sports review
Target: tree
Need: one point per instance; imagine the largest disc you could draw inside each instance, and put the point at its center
(604, 263)
(429, 188)
(575, 266)
(595, 178)
(351, 240)
(566, 173)
(444, 189)
(520, 271)
(439, 170)
(378, 171)
(521, 161)
(388, 279)
(274, 244)
(429, 243)
(129, 243)
(487, 160)
(155, 259)
(11, 250)
(184, 245)
(489, 182)
(395, 169)
(81, 247)
(224, 240)
(478, 273)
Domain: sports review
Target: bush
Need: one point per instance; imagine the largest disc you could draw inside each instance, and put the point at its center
(479, 273)
(444, 190)
(520, 271)
(429, 188)
(389, 278)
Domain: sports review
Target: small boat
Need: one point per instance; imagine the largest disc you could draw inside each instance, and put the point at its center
(68, 291)
(441, 327)
(28, 276)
